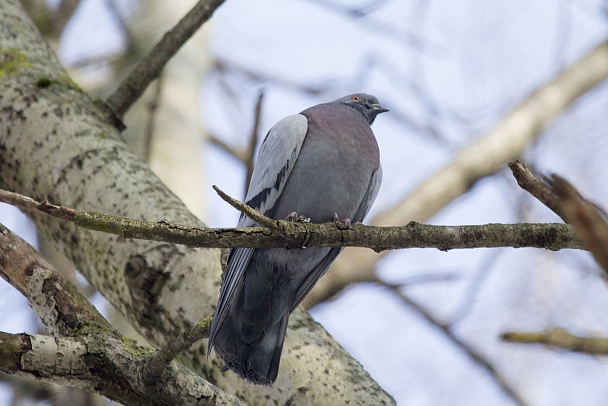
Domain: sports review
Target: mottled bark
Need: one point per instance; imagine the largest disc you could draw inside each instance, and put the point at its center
(56, 144)
(85, 351)
(283, 233)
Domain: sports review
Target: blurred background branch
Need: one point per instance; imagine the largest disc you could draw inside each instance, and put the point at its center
(449, 73)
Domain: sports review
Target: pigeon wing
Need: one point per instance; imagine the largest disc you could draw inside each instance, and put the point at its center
(276, 158)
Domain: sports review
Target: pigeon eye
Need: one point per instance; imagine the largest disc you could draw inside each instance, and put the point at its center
(356, 98)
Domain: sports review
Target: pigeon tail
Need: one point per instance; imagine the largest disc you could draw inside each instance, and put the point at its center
(257, 362)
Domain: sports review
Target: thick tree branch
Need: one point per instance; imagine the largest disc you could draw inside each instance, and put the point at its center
(93, 356)
(104, 363)
(62, 309)
(56, 144)
(150, 67)
(282, 233)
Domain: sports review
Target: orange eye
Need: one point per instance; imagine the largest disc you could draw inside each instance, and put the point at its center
(355, 98)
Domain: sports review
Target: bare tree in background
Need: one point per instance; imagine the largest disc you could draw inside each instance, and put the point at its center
(154, 272)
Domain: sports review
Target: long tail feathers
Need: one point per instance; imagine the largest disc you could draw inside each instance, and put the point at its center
(258, 361)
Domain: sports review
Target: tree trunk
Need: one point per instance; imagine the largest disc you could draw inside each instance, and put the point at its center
(55, 144)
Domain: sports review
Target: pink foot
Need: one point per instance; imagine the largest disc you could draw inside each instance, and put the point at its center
(345, 221)
(293, 216)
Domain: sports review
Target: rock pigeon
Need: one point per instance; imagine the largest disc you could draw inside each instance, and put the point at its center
(319, 163)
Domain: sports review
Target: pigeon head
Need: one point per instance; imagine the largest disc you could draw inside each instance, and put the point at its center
(366, 104)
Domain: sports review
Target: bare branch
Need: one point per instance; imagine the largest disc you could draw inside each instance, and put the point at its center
(481, 158)
(282, 233)
(253, 140)
(248, 211)
(536, 187)
(467, 349)
(237, 153)
(588, 219)
(162, 358)
(149, 68)
(560, 338)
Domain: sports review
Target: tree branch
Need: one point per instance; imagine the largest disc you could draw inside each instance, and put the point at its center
(107, 364)
(253, 140)
(161, 359)
(466, 348)
(163, 289)
(150, 67)
(92, 356)
(483, 157)
(560, 338)
(536, 187)
(239, 154)
(248, 211)
(282, 233)
(587, 218)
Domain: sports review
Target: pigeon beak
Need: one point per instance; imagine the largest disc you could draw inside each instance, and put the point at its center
(377, 109)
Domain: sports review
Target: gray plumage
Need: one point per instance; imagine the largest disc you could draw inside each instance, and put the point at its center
(322, 161)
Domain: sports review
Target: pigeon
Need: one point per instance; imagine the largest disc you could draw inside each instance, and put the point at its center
(318, 164)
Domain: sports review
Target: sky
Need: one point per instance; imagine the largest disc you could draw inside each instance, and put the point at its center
(448, 71)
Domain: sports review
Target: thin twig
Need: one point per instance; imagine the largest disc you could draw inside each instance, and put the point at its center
(536, 187)
(467, 349)
(150, 130)
(149, 68)
(27, 203)
(253, 140)
(560, 338)
(161, 359)
(248, 211)
(236, 153)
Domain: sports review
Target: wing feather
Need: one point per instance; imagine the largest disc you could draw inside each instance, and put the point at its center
(274, 163)
(370, 196)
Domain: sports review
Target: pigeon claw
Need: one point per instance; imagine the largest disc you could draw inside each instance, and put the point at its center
(293, 216)
(345, 221)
